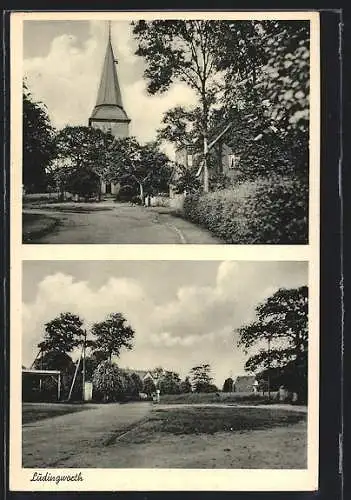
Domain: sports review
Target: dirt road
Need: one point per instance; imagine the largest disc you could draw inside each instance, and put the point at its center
(117, 223)
(56, 441)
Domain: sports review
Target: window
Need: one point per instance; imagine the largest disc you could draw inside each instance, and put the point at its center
(233, 161)
(190, 160)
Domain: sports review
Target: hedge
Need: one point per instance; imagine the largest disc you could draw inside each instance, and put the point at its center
(270, 211)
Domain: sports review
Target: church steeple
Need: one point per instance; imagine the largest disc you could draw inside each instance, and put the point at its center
(109, 113)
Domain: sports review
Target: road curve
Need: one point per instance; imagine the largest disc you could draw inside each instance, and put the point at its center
(114, 223)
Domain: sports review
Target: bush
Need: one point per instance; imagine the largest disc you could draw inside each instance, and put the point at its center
(126, 193)
(109, 381)
(271, 210)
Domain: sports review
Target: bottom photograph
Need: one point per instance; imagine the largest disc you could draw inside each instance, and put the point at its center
(164, 364)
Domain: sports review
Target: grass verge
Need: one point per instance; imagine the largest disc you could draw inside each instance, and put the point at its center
(209, 420)
(33, 412)
(37, 225)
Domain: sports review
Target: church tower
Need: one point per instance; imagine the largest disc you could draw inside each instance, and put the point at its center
(108, 114)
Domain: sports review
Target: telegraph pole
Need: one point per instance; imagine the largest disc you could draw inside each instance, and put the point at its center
(84, 348)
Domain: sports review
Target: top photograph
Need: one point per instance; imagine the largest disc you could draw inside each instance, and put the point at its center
(167, 131)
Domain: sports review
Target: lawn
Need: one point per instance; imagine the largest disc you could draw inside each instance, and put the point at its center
(36, 225)
(210, 437)
(32, 412)
(218, 397)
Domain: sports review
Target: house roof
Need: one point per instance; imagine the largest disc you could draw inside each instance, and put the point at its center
(109, 104)
(247, 379)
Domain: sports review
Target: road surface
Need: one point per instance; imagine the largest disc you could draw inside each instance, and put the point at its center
(110, 222)
(62, 441)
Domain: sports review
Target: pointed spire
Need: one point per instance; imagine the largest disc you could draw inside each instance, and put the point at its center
(109, 99)
(109, 90)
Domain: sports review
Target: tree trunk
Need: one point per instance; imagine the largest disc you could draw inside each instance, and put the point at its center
(141, 187)
(206, 179)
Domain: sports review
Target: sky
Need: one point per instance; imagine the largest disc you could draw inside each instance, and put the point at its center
(183, 312)
(62, 64)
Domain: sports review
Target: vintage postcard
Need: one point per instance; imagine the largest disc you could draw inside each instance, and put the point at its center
(164, 251)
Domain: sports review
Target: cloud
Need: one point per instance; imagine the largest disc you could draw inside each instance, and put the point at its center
(195, 325)
(67, 78)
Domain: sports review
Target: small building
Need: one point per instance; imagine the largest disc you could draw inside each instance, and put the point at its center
(142, 374)
(245, 383)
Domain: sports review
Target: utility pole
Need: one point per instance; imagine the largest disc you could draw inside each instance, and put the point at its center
(269, 368)
(84, 349)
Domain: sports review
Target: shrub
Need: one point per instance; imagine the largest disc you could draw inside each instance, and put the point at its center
(271, 210)
(109, 381)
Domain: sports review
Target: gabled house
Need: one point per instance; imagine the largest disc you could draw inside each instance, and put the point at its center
(245, 383)
(143, 374)
(222, 160)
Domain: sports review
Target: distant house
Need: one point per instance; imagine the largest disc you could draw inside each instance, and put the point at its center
(143, 374)
(245, 383)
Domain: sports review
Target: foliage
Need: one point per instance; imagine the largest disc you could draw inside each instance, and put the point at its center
(109, 381)
(149, 387)
(143, 167)
(137, 384)
(169, 383)
(266, 68)
(38, 143)
(54, 360)
(228, 385)
(265, 211)
(185, 386)
(83, 160)
(281, 325)
(86, 147)
(201, 378)
(63, 333)
(83, 182)
(181, 51)
(112, 335)
(185, 180)
(281, 319)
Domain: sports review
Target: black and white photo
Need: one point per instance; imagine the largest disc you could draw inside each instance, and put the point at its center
(167, 131)
(188, 364)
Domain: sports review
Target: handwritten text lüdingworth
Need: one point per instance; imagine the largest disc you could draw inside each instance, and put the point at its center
(48, 477)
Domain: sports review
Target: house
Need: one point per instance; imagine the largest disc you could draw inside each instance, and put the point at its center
(245, 383)
(222, 160)
(143, 374)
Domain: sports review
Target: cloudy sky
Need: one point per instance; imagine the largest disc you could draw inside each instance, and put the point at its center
(183, 312)
(63, 61)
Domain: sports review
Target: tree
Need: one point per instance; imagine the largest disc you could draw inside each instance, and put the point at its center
(281, 325)
(228, 385)
(201, 378)
(137, 384)
(88, 151)
(183, 51)
(185, 386)
(38, 143)
(170, 383)
(266, 71)
(55, 360)
(143, 166)
(149, 387)
(185, 180)
(112, 335)
(109, 381)
(63, 333)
